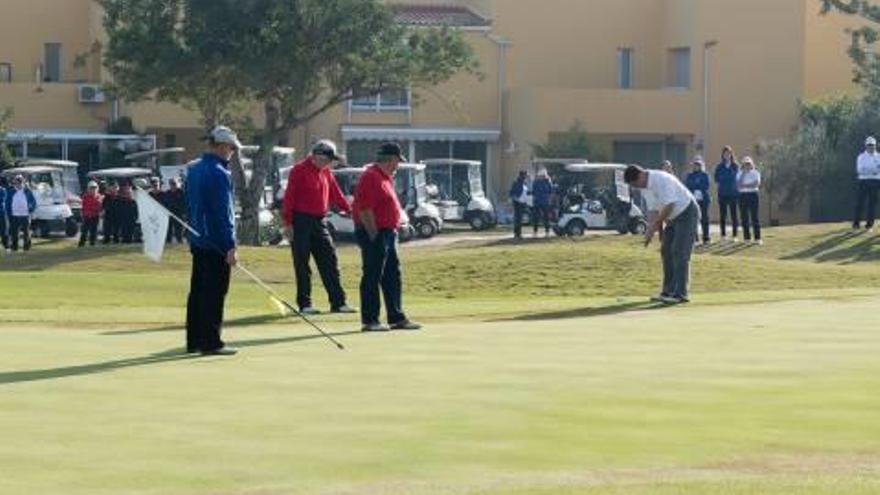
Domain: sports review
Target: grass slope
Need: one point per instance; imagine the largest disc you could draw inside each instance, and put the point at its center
(541, 373)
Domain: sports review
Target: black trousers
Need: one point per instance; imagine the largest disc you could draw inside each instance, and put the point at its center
(111, 230)
(867, 197)
(541, 213)
(518, 210)
(312, 239)
(704, 220)
(729, 204)
(20, 226)
(126, 231)
(4, 235)
(175, 231)
(89, 229)
(381, 269)
(209, 284)
(749, 206)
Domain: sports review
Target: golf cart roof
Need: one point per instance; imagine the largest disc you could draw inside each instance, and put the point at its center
(412, 166)
(349, 170)
(451, 161)
(121, 173)
(146, 155)
(36, 169)
(36, 162)
(278, 149)
(594, 167)
(558, 161)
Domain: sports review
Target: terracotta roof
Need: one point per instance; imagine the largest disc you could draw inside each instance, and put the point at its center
(438, 15)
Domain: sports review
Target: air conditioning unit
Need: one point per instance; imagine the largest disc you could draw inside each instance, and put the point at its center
(91, 93)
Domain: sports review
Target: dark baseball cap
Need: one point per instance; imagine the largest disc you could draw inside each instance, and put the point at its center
(327, 148)
(391, 149)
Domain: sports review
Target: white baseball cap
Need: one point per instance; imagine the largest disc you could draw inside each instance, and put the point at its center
(223, 134)
(327, 148)
(871, 141)
(699, 159)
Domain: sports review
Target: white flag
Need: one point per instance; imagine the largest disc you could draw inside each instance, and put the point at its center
(154, 220)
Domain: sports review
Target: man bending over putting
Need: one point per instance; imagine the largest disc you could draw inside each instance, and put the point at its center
(670, 204)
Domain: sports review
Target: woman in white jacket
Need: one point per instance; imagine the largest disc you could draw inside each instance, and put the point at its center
(748, 181)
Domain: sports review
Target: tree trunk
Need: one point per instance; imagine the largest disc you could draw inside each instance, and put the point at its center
(253, 190)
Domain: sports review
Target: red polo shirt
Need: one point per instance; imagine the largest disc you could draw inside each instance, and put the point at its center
(375, 191)
(311, 190)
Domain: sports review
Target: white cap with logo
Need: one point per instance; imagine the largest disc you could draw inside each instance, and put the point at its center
(871, 141)
(224, 135)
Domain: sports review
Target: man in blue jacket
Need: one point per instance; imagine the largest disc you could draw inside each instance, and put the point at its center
(542, 189)
(4, 237)
(728, 191)
(519, 193)
(210, 205)
(20, 204)
(697, 183)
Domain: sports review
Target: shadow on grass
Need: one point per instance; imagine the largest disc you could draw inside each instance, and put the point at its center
(50, 253)
(169, 356)
(585, 312)
(826, 247)
(860, 252)
(179, 327)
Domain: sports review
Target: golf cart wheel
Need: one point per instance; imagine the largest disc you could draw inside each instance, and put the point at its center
(576, 228)
(43, 229)
(638, 227)
(622, 228)
(406, 233)
(70, 227)
(426, 228)
(480, 221)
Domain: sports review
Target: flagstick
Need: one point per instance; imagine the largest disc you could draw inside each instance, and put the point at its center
(269, 290)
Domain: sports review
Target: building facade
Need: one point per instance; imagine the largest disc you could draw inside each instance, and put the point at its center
(649, 80)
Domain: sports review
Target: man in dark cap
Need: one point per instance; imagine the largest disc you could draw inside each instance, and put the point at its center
(376, 212)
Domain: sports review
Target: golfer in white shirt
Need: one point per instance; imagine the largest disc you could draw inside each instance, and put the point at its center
(868, 170)
(670, 204)
(748, 182)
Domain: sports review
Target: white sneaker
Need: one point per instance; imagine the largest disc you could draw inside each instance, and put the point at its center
(309, 311)
(735, 240)
(375, 327)
(760, 242)
(724, 238)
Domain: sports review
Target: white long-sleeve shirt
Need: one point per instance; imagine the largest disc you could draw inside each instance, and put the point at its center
(748, 181)
(868, 166)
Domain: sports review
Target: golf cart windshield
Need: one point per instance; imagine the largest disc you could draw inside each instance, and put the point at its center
(410, 183)
(595, 179)
(455, 180)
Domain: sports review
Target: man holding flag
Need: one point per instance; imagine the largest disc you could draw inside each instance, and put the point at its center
(210, 204)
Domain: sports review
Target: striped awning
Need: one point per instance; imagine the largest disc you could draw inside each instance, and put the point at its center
(389, 133)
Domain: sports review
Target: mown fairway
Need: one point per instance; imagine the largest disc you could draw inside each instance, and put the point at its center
(541, 372)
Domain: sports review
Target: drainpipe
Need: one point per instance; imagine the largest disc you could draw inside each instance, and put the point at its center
(503, 45)
(704, 139)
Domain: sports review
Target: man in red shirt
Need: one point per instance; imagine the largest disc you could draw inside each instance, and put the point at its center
(91, 214)
(311, 188)
(377, 217)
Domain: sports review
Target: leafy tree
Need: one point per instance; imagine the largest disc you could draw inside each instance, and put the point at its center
(572, 143)
(862, 48)
(6, 157)
(295, 58)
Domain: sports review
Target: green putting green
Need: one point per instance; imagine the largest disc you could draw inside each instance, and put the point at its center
(767, 383)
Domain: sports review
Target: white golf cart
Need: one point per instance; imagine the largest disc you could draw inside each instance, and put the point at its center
(343, 226)
(455, 187)
(166, 163)
(595, 197)
(55, 193)
(410, 182)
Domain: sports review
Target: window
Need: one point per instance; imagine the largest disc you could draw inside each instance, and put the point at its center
(625, 68)
(680, 68)
(359, 153)
(5, 72)
(390, 100)
(650, 153)
(52, 63)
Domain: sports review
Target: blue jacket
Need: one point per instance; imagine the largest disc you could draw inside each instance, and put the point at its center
(210, 202)
(2, 201)
(725, 177)
(31, 200)
(516, 189)
(699, 181)
(541, 191)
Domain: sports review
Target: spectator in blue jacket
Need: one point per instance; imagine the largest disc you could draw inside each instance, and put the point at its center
(698, 183)
(728, 192)
(210, 205)
(519, 196)
(4, 236)
(20, 204)
(542, 189)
